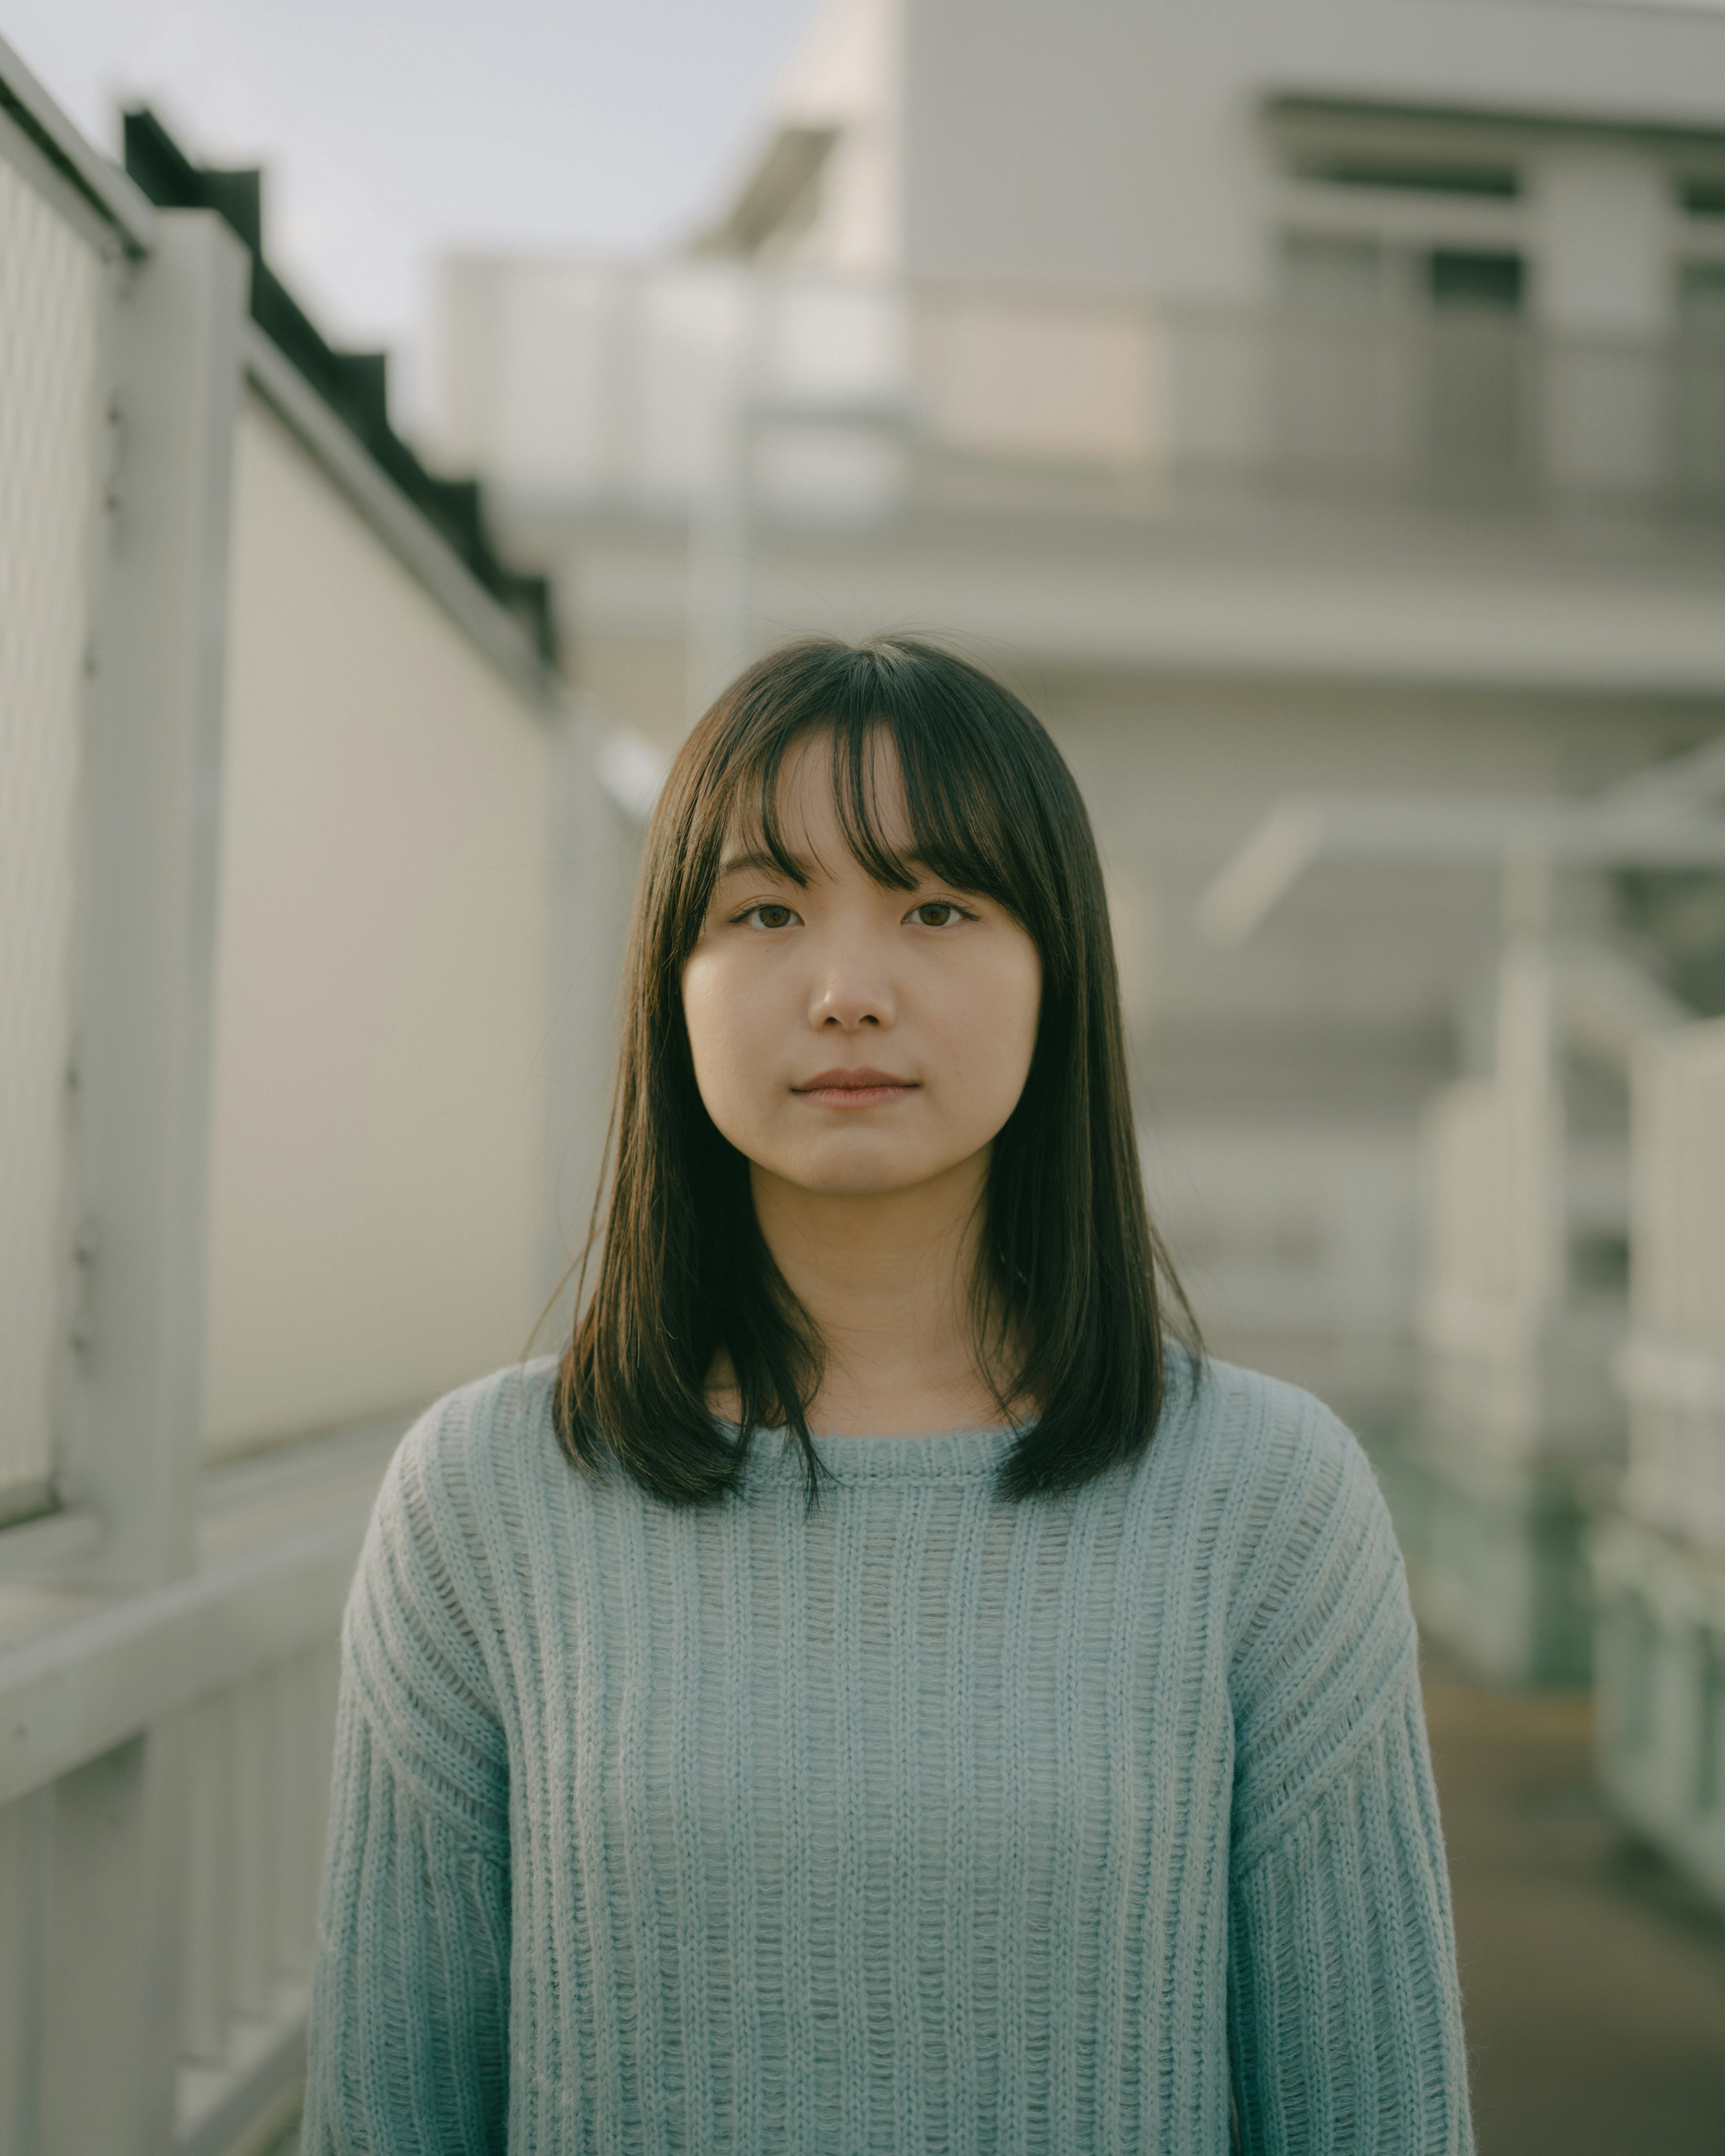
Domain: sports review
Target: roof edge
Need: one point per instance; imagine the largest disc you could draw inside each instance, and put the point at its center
(108, 190)
(352, 385)
(1676, 134)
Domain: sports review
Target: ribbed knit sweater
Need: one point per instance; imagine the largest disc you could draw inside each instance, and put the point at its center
(923, 1822)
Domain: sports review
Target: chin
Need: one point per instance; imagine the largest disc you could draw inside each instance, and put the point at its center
(841, 1183)
(854, 1177)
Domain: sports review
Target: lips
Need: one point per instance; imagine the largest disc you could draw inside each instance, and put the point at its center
(854, 1088)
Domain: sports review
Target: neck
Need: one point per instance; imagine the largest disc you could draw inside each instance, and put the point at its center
(886, 1278)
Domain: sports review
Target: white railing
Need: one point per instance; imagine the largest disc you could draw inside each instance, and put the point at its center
(1485, 1241)
(56, 291)
(1492, 1189)
(1659, 1557)
(308, 881)
(641, 387)
(162, 1809)
(1673, 1366)
(1523, 1304)
(1679, 1279)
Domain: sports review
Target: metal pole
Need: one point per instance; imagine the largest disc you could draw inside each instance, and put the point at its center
(720, 520)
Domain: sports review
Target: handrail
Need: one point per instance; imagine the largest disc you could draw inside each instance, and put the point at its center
(70, 1696)
(1394, 829)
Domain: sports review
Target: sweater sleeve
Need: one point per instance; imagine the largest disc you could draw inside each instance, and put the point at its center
(408, 2048)
(1344, 2007)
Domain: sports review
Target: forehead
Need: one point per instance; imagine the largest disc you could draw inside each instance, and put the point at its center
(825, 801)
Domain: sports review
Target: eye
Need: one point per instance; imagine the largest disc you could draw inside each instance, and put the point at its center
(946, 907)
(769, 915)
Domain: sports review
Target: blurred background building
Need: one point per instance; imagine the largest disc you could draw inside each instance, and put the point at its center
(1320, 399)
(1294, 398)
(1316, 412)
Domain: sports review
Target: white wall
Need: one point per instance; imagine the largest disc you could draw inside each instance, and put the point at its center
(1122, 143)
(378, 1140)
(848, 73)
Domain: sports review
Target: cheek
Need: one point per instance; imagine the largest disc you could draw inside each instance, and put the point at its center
(989, 1028)
(711, 1014)
(727, 1041)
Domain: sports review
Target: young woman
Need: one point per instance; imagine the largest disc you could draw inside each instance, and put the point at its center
(881, 1691)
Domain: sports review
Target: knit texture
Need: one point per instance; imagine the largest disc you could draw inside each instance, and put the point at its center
(921, 1823)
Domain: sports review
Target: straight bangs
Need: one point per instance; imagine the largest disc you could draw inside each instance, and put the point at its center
(972, 810)
(1074, 1293)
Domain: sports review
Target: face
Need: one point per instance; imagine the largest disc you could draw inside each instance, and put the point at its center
(849, 1038)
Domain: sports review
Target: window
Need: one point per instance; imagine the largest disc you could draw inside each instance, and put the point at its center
(1710, 1721)
(1697, 384)
(1426, 176)
(1477, 281)
(1398, 354)
(1700, 298)
(1702, 195)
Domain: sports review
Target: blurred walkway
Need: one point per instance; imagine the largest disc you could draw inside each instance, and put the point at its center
(1595, 1982)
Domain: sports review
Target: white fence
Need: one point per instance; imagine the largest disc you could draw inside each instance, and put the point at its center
(1659, 1558)
(308, 904)
(1491, 1158)
(1674, 1365)
(1507, 1370)
(381, 974)
(622, 386)
(56, 276)
(1516, 1401)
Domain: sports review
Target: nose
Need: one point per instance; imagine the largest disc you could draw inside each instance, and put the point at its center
(852, 988)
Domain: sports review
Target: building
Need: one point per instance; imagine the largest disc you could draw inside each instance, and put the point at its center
(1313, 397)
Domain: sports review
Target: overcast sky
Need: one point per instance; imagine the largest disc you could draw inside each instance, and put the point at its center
(392, 129)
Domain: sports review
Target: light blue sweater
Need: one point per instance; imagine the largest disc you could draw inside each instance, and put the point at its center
(924, 1823)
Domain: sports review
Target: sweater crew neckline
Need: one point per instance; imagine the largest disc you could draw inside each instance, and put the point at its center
(935, 1456)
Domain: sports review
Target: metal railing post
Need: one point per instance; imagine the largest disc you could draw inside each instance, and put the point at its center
(133, 1436)
(134, 1426)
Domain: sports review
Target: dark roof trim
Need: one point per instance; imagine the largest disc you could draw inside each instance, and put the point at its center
(102, 185)
(1670, 134)
(353, 384)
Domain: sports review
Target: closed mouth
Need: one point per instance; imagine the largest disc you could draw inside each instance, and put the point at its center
(854, 1088)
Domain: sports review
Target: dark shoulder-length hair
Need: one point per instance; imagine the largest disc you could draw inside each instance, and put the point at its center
(1076, 1303)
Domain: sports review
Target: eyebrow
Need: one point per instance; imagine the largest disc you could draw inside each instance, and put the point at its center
(762, 863)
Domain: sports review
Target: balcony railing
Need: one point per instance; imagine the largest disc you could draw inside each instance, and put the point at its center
(644, 387)
(1660, 1560)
